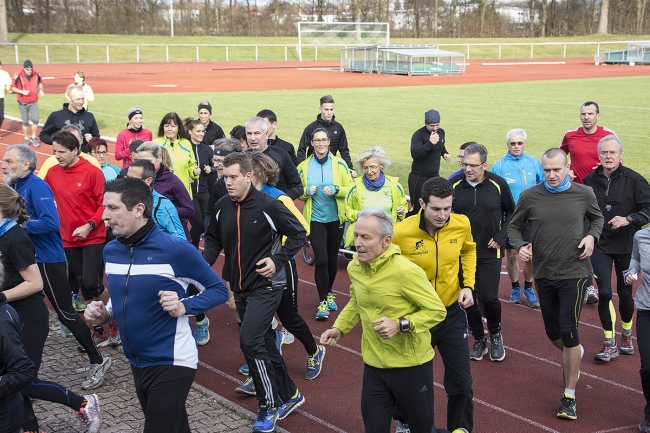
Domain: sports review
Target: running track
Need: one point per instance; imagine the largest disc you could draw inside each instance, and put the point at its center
(520, 394)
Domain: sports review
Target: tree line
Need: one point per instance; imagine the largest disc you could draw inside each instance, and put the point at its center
(408, 18)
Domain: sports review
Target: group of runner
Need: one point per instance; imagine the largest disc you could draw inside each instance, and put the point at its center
(456, 233)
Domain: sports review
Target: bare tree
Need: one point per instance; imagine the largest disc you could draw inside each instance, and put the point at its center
(640, 12)
(4, 33)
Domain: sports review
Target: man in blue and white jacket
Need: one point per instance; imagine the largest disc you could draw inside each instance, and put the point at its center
(521, 171)
(148, 274)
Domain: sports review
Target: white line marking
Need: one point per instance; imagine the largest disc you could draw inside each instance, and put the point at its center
(320, 421)
(522, 63)
(627, 427)
(163, 85)
(48, 78)
(514, 415)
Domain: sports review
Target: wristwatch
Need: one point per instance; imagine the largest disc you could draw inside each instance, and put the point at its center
(92, 225)
(404, 325)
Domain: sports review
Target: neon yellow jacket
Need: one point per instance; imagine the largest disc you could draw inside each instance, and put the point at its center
(183, 159)
(354, 205)
(438, 255)
(391, 286)
(341, 178)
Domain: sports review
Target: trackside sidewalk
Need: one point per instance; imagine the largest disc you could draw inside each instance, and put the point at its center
(62, 363)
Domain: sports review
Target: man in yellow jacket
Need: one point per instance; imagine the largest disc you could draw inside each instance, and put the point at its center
(435, 239)
(393, 300)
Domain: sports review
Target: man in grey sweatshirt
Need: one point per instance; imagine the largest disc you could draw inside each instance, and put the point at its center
(560, 251)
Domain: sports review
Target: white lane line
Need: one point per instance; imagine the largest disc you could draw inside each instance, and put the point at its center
(514, 415)
(521, 63)
(308, 415)
(627, 427)
(314, 284)
(163, 85)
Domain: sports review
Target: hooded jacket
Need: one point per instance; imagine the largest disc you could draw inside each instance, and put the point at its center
(520, 172)
(338, 140)
(58, 119)
(166, 217)
(624, 193)
(124, 139)
(249, 231)
(394, 287)
(16, 369)
(135, 274)
(169, 185)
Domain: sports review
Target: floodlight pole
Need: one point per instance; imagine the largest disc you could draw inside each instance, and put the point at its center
(171, 15)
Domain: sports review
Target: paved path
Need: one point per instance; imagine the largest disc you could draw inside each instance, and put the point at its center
(62, 363)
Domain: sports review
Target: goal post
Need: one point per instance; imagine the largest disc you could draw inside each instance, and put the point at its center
(341, 34)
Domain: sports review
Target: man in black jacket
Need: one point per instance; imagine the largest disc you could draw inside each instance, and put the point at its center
(248, 226)
(274, 140)
(71, 113)
(335, 131)
(623, 198)
(427, 147)
(257, 138)
(486, 200)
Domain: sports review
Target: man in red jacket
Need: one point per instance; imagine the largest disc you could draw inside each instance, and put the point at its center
(78, 189)
(28, 86)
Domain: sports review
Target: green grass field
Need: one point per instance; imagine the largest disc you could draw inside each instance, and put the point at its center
(388, 116)
(91, 54)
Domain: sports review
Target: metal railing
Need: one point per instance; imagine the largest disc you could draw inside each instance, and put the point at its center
(128, 53)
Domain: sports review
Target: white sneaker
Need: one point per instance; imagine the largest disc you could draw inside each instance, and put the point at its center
(288, 336)
(90, 413)
(591, 295)
(96, 374)
(274, 323)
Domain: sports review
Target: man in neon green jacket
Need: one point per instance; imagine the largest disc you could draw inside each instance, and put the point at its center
(393, 300)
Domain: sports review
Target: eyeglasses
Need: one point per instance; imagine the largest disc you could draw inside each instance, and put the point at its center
(94, 152)
(516, 143)
(465, 165)
(371, 167)
(320, 140)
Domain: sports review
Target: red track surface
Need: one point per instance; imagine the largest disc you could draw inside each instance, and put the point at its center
(520, 394)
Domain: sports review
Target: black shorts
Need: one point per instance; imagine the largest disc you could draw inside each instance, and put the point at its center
(525, 233)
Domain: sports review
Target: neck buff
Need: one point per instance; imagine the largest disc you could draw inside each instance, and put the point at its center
(560, 188)
(321, 160)
(374, 185)
(6, 225)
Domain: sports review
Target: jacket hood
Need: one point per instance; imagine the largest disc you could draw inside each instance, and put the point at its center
(378, 262)
(320, 119)
(66, 107)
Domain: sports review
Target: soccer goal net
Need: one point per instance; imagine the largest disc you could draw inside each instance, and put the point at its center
(341, 34)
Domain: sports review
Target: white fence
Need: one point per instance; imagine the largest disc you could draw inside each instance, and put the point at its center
(128, 53)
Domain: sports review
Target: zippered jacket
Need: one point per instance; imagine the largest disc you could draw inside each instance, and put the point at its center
(337, 136)
(135, 274)
(166, 217)
(521, 172)
(624, 193)
(183, 158)
(43, 226)
(85, 120)
(489, 207)
(394, 287)
(341, 178)
(22, 82)
(16, 369)
(354, 203)
(249, 231)
(438, 255)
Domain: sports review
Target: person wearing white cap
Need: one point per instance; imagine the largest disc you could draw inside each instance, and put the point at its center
(427, 146)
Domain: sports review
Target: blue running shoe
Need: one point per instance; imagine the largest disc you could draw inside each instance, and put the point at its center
(515, 297)
(279, 340)
(315, 363)
(291, 405)
(266, 419)
(322, 313)
(246, 388)
(244, 370)
(77, 303)
(203, 332)
(331, 305)
(529, 293)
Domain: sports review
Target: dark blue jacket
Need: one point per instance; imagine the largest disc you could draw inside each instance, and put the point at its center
(43, 226)
(150, 336)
